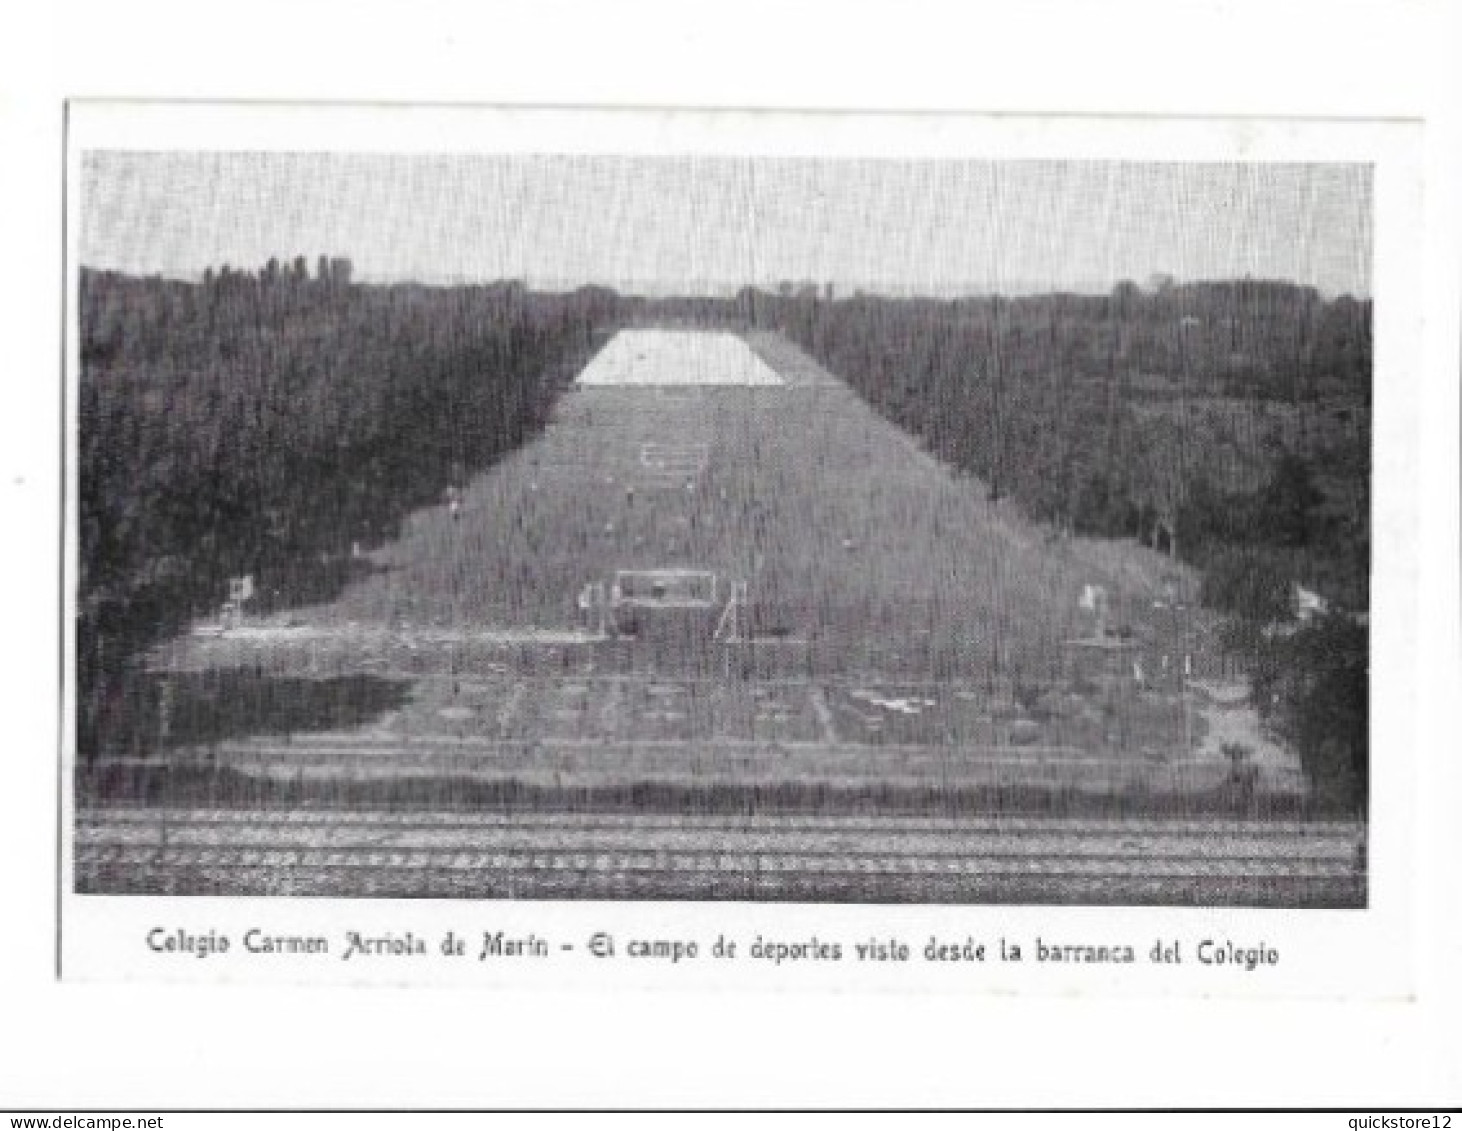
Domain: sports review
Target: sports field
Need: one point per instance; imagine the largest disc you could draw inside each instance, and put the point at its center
(893, 623)
(845, 533)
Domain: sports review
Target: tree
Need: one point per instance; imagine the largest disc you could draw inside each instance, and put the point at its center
(1315, 687)
(1251, 585)
(304, 434)
(1102, 509)
(1286, 510)
(1126, 296)
(1205, 517)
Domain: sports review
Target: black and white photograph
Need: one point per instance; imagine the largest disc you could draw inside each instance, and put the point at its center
(713, 526)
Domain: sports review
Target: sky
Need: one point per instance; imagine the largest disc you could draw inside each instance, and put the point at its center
(706, 225)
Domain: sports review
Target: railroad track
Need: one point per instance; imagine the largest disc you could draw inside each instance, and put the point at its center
(600, 856)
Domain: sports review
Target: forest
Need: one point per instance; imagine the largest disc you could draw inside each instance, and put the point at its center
(276, 425)
(1200, 416)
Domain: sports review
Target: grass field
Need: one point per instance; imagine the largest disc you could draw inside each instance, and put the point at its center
(913, 632)
(844, 531)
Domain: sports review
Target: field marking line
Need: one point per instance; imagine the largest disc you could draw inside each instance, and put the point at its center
(421, 743)
(491, 679)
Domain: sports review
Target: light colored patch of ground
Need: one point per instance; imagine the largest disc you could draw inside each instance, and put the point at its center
(1226, 722)
(1240, 726)
(676, 357)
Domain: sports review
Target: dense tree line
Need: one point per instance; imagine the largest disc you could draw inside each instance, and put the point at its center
(1039, 395)
(270, 423)
(1099, 414)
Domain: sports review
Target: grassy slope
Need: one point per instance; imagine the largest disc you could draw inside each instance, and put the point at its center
(811, 496)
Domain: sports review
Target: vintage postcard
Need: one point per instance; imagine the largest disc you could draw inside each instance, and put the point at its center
(561, 547)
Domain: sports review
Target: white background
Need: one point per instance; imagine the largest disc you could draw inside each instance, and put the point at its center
(149, 1045)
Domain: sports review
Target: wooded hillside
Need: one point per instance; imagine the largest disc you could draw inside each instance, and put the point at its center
(274, 424)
